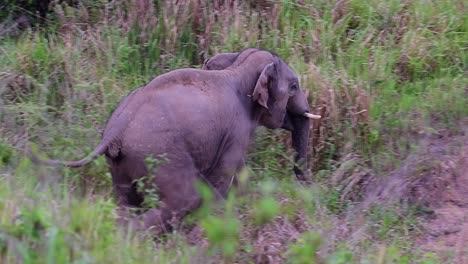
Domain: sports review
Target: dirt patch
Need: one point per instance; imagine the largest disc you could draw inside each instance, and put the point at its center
(436, 179)
(447, 231)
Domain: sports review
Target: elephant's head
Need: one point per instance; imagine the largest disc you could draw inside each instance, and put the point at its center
(277, 91)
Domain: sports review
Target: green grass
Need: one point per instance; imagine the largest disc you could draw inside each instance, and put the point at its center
(381, 71)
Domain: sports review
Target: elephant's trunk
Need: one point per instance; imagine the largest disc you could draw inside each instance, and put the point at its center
(300, 142)
(298, 122)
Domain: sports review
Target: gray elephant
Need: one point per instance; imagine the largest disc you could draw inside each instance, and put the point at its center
(203, 122)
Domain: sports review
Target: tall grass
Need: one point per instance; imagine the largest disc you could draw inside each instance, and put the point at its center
(379, 72)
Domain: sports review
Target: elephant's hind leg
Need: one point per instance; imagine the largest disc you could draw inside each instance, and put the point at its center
(123, 171)
(178, 196)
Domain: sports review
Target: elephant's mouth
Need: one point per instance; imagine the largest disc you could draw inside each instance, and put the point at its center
(288, 122)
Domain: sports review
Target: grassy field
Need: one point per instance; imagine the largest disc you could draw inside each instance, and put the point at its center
(383, 74)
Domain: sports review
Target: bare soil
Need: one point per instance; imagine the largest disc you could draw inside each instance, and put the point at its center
(436, 179)
(446, 232)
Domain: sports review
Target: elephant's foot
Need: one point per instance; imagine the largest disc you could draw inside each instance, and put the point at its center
(154, 222)
(124, 214)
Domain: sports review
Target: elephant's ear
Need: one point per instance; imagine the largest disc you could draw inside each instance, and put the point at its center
(220, 61)
(261, 91)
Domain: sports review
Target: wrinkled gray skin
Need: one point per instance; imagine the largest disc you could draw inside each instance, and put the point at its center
(203, 121)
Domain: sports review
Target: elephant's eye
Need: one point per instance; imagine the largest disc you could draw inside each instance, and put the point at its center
(293, 88)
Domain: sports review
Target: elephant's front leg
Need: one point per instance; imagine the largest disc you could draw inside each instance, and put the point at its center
(225, 174)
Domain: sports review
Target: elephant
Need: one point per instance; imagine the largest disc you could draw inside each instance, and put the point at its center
(202, 120)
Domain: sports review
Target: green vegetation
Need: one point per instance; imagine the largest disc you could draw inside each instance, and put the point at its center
(381, 73)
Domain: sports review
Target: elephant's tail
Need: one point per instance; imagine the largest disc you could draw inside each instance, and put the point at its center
(99, 150)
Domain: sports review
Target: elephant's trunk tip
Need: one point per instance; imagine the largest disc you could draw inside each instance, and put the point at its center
(311, 116)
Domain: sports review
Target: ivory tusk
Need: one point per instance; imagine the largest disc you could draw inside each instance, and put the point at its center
(311, 116)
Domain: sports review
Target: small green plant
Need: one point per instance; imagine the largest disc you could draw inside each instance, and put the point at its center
(341, 257)
(304, 251)
(146, 186)
(331, 199)
(223, 231)
(392, 254)
(392, 221)
(430, 258)
(6, 153)
(266, 208)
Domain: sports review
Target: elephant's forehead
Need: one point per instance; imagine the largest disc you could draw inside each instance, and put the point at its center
(287, 71)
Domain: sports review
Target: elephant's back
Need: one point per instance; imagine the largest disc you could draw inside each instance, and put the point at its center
(173, 122)
(186, 116)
